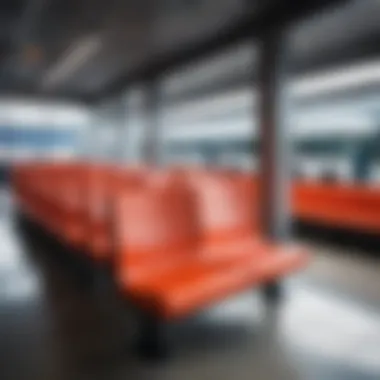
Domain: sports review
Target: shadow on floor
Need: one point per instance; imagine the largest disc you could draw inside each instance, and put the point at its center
(342, 239)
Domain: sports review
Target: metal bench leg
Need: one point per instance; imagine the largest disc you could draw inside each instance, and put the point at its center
(152, 341)
(273, 291)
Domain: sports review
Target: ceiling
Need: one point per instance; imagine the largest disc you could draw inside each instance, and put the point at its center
(92, 49)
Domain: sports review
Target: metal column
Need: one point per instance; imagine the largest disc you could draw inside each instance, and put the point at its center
(124, 127)
(364, 154)
(275, 137)
(151, 144)
(116, 118)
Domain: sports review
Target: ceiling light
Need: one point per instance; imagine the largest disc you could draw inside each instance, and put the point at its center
(72, 60)
(343, 78)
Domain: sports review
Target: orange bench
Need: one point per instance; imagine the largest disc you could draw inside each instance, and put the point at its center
(179, 240)
(354, 207)
(104, 186)
(175, 256)
(33, 192)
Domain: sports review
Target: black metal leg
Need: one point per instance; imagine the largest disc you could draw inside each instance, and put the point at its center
(152, 341)
(101, 280)
(273, 291)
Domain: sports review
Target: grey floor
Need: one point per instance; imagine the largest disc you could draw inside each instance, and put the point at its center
(328, 326)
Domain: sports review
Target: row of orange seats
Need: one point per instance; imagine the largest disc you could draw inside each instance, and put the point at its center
(348, 206)
(177, 239)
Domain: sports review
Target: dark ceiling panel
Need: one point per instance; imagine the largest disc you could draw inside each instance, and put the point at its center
(141, 39)
(323, 42)
(245, 24)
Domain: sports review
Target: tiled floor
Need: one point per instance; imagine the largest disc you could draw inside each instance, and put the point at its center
(328, 327)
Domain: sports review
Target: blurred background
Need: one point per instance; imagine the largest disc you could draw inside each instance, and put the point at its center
(104, 81)
(63, 94)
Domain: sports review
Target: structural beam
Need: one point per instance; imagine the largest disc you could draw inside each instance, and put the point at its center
(264, 16)
(275, 137)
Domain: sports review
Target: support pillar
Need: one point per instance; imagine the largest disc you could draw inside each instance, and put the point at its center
(275, 137)
(151, 144)
(122, 124)
(364, 154)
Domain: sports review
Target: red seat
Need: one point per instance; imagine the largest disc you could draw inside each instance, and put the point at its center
(228, 213)
(103, 188)
(152, 229)
(167, 265)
